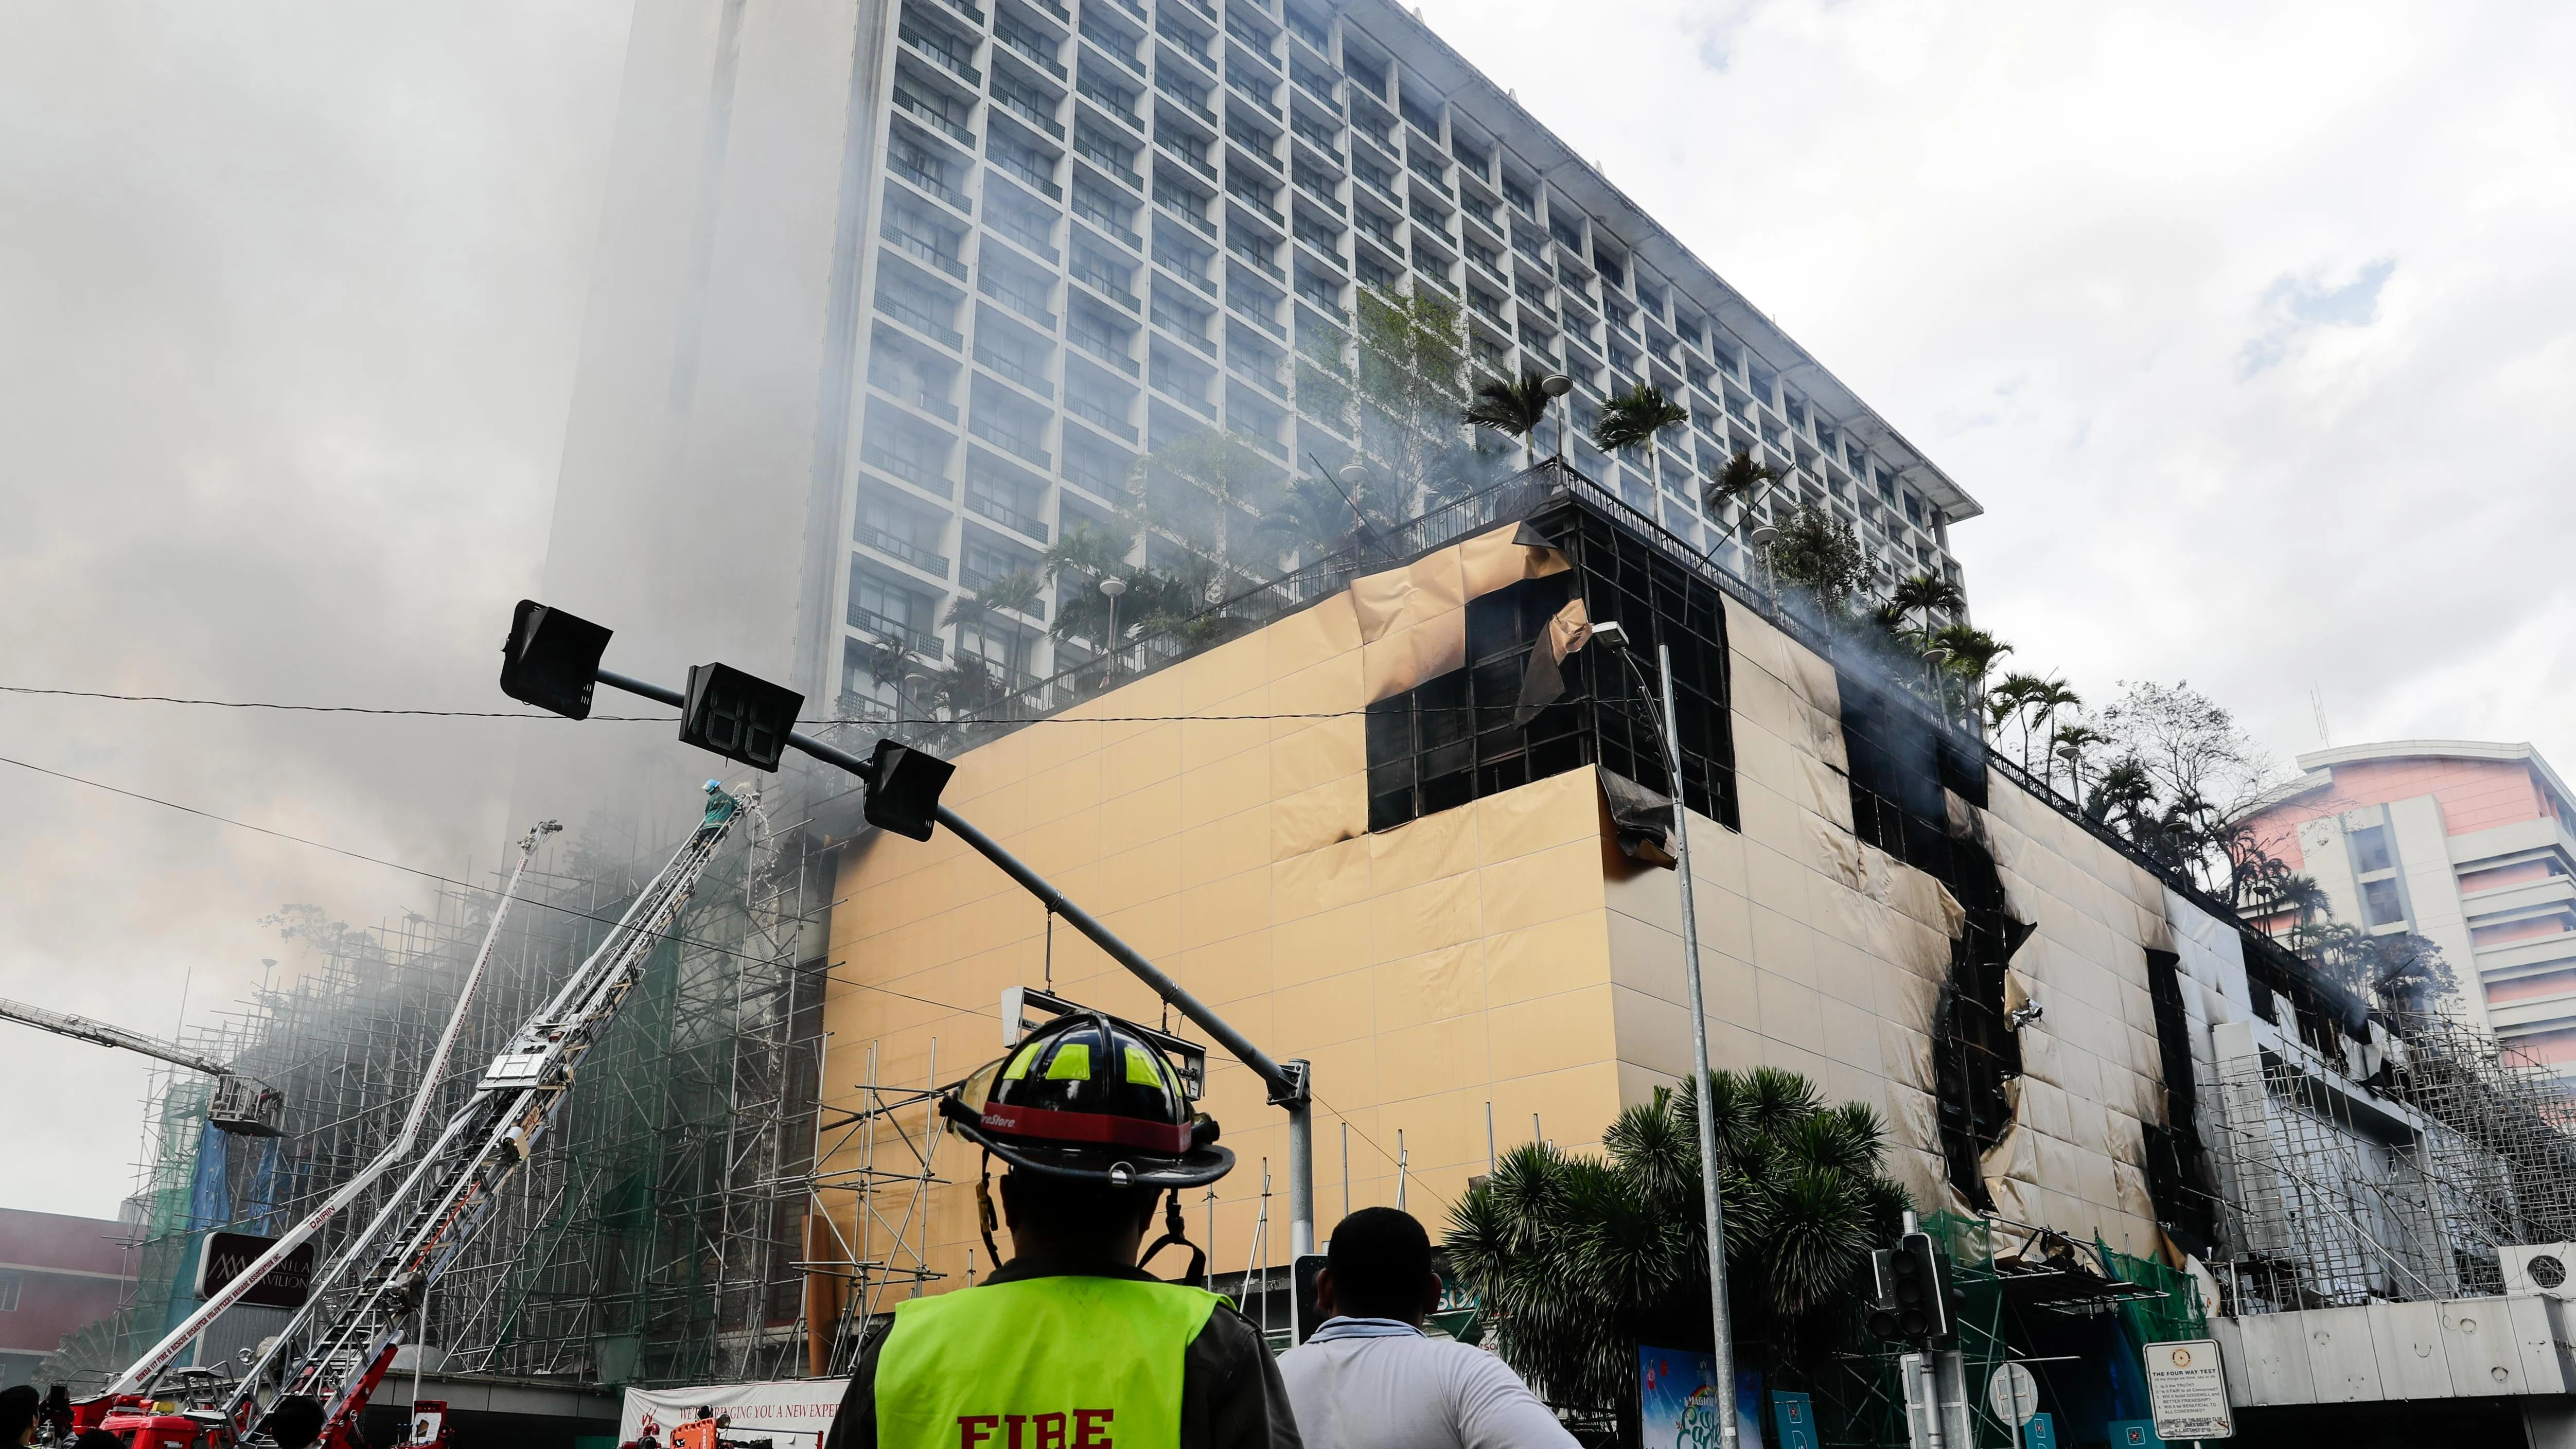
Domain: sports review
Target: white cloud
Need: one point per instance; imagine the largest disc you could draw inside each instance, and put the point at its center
(2251, 325)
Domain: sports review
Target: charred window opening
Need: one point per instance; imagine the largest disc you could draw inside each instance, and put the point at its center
(1456, 738)
(1452, 739)
(2179, 1179)
(1906, 767)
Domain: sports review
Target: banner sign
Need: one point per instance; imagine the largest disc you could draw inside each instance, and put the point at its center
(226, 1254)
(2187, 1390)
(797, 1412)
(1679, 1408)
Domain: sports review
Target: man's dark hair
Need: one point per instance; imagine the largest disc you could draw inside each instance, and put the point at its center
(19, 1405)
(294, 1421)
(1381, 1260)
(1077, 1207)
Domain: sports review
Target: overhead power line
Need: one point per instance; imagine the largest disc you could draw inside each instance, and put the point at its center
(435, 876)
(666, 719)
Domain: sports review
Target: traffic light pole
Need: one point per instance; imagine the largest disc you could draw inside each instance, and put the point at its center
(1288, 1082)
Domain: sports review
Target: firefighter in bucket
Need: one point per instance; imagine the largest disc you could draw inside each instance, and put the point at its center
(1071, 1344)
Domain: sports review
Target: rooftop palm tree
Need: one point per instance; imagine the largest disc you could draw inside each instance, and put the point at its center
(1514, 409)
(1583, 1258)
(1739, 481)
(1090, 553)
(2008, 701)
(2071, 744)
(1926, 594)
(2051, 696)
(1639, 415)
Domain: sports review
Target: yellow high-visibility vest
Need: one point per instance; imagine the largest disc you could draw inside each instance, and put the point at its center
(1043, 1363)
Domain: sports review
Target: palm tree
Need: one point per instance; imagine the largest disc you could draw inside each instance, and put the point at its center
(1926, 593)
(1514, 409)
(1583, 1258)
(1972, 651)
(1639, 415)
(1739, 481)
(2008, 701)
(1091, 554)
(2070, 745)
(2051, 696)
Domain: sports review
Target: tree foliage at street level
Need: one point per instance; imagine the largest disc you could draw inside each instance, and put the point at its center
(1583, 1258)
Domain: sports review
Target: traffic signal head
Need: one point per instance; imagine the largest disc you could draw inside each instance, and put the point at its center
(1913, 1302)
(551, 659)
(903, 789)
(742, 717)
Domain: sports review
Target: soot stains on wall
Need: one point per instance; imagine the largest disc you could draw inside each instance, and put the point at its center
(1905, 767)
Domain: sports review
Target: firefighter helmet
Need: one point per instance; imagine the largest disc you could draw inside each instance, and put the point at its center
(1088, 1096)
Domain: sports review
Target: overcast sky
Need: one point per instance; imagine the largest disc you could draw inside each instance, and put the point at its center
(2249, 325)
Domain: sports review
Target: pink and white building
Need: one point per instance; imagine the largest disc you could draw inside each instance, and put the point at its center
(2470, 845)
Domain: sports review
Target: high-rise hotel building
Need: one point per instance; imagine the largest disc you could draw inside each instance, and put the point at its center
(891, 294)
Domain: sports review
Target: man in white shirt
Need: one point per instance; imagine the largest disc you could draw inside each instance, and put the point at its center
(1370, 1378)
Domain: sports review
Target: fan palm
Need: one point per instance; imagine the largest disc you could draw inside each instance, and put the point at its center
(1639, 415)
(1514, 409)
(1583, 1258)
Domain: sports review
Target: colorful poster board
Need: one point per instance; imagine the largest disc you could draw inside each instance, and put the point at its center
(1678, 1408)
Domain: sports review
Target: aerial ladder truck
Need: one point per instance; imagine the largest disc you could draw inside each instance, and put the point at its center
(238, 1104)
(338, 1346)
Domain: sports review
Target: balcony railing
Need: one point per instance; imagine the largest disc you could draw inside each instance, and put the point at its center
(1109, 285)
(1007, 516)
(1098, 416)
(922, 108)
(1026, 376)
(912, 314)
(1033, 308)
(1024, 170)
(925, 248)
(897, 632)
(1007, 438)
(921, 176)
(914, 393)
(904, 549)
(1102, 346)
(909, 469)
(1030, 106)
(1030, 46)
(938, 48)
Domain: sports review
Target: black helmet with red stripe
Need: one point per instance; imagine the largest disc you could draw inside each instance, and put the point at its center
(1088, 1096)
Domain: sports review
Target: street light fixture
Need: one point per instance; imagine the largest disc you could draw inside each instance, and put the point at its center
(1113, 586)
(1557, 385)
(1615, 637)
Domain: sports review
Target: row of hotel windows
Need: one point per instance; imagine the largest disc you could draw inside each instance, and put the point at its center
(1555, 277)
(1657, 319)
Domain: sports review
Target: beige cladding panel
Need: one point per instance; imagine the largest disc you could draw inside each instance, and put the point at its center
(1427, 971)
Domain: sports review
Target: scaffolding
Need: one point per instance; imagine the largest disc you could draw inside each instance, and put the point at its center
(654, 1237)
(888, 1147)
(2397, 1185)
